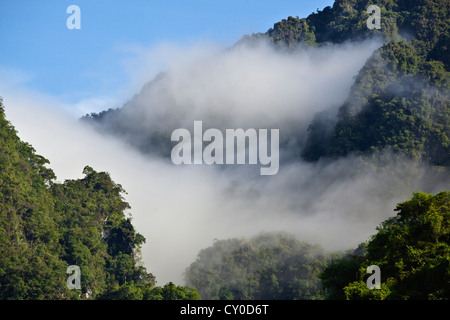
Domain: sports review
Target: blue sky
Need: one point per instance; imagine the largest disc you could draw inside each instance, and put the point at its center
(38, 50)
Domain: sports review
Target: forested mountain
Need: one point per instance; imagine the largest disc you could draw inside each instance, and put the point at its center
(266, 267)
(398, 101)
(400, 98)
(46, 226)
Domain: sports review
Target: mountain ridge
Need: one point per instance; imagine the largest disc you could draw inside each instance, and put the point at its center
(415, 35)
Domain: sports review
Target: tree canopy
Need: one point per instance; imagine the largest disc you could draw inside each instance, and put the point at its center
(412, 250)
(400, 98)
(46, 226)
(270, 266)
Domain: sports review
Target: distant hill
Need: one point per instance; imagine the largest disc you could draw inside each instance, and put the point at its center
(411, 249)
(269, 266)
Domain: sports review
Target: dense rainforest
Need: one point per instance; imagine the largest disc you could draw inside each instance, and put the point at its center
(46, 226)
(266, 267)
(398, 102)
(399, 99)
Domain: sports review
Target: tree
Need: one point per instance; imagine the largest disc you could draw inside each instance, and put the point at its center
(46, 226)
(269, 266)
(412, 250)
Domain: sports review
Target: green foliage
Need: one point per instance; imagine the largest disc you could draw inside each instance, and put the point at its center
(269, 266)
(29, 234)
(147, 291)
(358, 291)
(47, 226)
(292, 31)
(426, 20)
(412, 250)
(399, 101)
(341, 268)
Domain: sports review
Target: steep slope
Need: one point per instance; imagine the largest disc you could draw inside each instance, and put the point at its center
(29, 235)
(399, 101)
(46, 226)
